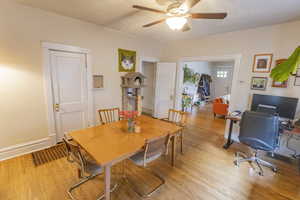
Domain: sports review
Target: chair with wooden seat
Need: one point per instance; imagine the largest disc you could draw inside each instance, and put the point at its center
(179, 118)
(109, 115)
(152, 150)
(87, 167)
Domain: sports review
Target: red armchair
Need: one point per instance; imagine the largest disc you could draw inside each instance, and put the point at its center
(219, 107)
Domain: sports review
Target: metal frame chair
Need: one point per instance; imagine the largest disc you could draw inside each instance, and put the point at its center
(242, 157)
(87, 168)
(153, 149)
(179, 118)
(259, 131)
(109, 115)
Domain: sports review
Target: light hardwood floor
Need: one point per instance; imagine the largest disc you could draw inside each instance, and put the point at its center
(205, 171)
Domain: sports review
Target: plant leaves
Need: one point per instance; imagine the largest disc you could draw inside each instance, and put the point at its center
(282, 71)
(190, 75)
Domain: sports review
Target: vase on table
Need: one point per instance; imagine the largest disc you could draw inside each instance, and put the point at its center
(130, 125)
(130, 116)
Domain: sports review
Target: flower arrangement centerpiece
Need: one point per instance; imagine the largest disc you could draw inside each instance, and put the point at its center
(130, 116)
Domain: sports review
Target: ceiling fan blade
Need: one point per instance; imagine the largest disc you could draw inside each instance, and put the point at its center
(162, 2)
(148, 9)
(208, 15)
(186, 28)
(153, 23)
(190, 3)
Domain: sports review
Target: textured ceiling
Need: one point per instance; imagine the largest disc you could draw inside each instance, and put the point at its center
(119, 15)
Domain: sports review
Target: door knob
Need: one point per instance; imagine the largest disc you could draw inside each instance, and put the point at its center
(56, 107)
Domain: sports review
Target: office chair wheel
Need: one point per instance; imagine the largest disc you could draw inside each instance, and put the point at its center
(274, 169)
(260, 173)
(236, 163)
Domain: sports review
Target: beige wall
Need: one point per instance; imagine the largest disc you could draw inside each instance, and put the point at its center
(22, 107)
(281, 40)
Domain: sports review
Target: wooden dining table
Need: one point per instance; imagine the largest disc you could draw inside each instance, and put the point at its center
(111, 143)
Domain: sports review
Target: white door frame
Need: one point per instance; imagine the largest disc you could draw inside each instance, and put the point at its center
(153, 60)
(179, 79)
(156, 114)
(48, 90)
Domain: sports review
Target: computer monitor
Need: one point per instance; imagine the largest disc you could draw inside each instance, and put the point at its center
(285, 106)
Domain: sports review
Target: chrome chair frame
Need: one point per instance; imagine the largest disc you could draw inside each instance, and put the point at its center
(74, 155)
(242, 157)
(267, 140)
(179, 118)
(146, 160)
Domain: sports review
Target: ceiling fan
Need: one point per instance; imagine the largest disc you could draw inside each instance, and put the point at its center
(178, 13)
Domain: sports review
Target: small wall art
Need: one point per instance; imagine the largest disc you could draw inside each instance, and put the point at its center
(98, 81)
(259, 83)
(277, 84)
(297, 81)
(127, 60)
(262, 63)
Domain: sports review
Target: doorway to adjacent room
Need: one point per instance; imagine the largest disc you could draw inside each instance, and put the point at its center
(200, 80)
(205, 81)
(159, 90)
(148, 92)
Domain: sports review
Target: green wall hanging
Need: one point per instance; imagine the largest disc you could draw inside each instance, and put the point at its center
(127, 60)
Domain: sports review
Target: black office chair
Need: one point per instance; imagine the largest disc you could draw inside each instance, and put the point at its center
(260, 131)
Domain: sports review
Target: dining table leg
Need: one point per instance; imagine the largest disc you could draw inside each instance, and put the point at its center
(174, 150)
(107, 182)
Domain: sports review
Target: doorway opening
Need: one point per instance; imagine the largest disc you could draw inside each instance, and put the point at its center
(148, 92)
(221, 64)
(204, 81)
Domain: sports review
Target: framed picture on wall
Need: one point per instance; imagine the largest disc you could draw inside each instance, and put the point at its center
(262, 63)
(283, 84)
(98, 81)
(298, 72)
(259, 83)
(127, 60)
(278, 84)
(297, 81)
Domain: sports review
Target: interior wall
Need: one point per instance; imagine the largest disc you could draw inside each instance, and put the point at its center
(201, 67)
(22, 29)
(148, 92)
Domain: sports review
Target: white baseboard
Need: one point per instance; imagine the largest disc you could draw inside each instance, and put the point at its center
(26, 148)
(147, 110)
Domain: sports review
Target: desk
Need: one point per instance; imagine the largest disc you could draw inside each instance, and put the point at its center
(294, 133)
(111, 143)
(233, 120)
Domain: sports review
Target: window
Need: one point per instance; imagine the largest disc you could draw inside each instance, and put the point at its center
(222, 74)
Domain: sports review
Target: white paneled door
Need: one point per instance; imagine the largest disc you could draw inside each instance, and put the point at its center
(69, 83)
(222, 81)
(164, 88)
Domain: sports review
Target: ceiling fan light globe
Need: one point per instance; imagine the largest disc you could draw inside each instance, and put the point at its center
(183, 9)
(176, 23)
